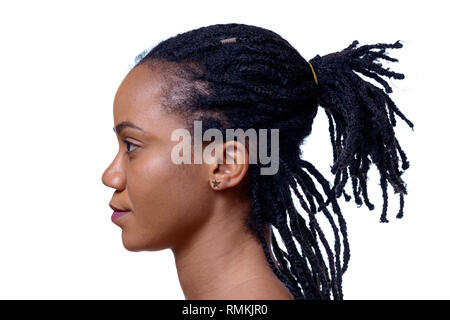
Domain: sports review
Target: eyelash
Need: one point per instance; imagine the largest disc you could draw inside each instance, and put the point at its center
(129, 143)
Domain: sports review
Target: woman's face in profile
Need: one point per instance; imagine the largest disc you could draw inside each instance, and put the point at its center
(166, 200)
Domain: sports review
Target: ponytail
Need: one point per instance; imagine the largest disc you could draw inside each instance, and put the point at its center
(361, 120)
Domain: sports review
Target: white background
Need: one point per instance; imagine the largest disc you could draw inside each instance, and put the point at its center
(60, 65)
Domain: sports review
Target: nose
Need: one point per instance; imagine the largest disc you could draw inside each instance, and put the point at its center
(114, 176)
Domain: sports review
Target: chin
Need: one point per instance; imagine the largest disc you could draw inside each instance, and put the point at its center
(131, 244)
(134, 244)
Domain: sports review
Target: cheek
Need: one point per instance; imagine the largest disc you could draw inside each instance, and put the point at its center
(168, 201)
(151, 183)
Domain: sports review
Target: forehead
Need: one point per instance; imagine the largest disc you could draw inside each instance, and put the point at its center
(138, 100)
(141, 87)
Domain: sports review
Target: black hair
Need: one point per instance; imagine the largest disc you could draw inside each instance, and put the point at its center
(242, 76)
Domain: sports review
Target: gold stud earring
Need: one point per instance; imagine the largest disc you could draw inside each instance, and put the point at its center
(216, 183)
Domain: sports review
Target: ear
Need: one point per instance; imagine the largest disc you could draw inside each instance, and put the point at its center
(230, 166)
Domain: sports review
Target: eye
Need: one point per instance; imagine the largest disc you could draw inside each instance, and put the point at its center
(129, 144)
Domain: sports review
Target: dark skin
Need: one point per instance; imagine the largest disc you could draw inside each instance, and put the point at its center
(177, 206)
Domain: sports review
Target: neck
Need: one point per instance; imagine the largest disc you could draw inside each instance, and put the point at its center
(221, 256)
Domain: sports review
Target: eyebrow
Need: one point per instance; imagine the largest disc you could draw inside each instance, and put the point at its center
(118, 129)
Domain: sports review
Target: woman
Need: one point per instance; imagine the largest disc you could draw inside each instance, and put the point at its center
(218, 217)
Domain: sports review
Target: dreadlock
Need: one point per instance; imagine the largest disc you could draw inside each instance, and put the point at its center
(237, 75)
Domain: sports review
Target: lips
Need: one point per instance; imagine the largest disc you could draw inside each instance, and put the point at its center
(117, 209)
(118, 212)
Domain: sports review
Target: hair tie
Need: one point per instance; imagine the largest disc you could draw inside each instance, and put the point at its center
(314, 74)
